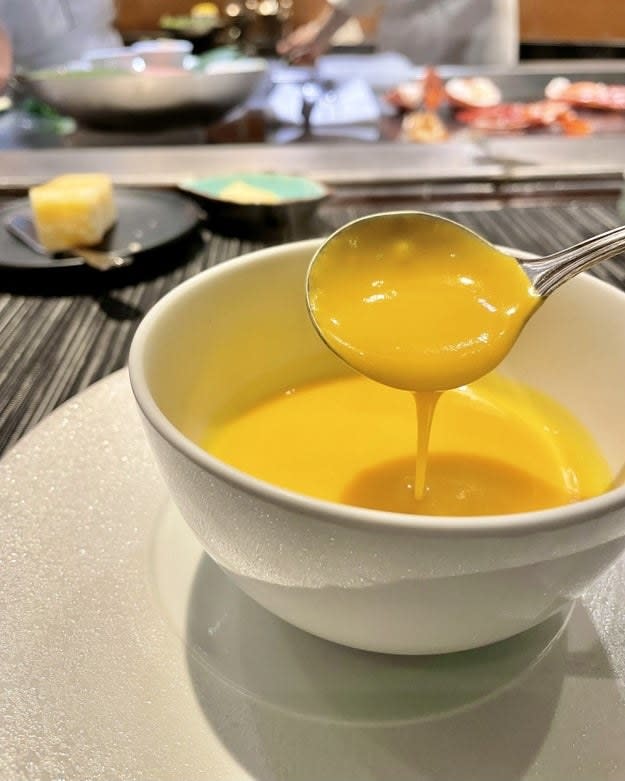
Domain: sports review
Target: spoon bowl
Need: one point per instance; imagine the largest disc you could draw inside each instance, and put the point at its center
(420, 302)
(416, 301)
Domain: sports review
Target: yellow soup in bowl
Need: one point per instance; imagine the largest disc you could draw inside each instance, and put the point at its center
(496, 447)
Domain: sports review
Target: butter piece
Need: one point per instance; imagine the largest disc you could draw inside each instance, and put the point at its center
(242, 192)
(73, 210)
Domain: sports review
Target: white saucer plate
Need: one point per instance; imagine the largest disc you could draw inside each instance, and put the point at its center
(125, 653)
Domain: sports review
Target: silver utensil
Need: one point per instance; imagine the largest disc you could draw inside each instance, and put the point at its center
(21, 226)
(389, 242)
(549, 272)
(545, 273)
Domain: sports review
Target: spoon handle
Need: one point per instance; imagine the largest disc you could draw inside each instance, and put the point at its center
(550, 272)
(102, 261)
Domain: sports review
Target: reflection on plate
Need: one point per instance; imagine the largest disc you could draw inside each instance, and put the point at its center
(124, 652)
(146, 217)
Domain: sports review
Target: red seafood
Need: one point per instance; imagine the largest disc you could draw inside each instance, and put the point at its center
(406, 96)
(587, 94)
(433, 90)
(477, 92)
(428, 92)
(573, 125)
(514, 116)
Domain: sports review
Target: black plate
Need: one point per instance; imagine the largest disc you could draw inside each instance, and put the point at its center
(147, 217)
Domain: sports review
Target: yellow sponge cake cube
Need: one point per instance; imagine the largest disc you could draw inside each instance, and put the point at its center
(74, 210)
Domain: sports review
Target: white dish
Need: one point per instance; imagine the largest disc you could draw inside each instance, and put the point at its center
(100, 578)
(163, 52)
(375, 580)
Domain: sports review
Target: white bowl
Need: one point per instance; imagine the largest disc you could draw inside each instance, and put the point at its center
(163, 52)
(368, 579)
(163, 45)
(121, 57)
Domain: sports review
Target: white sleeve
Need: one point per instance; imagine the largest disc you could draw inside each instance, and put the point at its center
(50, 32)
(443, 13)
(450, 16)
(31, 25)
(435, 27)
(356, 7)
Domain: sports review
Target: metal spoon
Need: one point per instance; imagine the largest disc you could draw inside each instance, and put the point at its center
(551, 271)
(420, 233)
(545, 273)
(22, 228)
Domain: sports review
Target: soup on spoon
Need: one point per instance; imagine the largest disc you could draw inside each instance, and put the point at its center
(420, 303)
(417, 302)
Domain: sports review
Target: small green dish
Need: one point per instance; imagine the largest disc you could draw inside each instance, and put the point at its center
(297, 198)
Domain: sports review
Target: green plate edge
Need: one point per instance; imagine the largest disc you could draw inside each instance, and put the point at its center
(287, 188)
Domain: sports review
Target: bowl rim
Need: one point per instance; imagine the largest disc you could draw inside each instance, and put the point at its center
(162, 45)
(513, 524)
(249, 66)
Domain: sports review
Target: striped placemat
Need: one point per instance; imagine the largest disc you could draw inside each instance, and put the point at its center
(62, 330)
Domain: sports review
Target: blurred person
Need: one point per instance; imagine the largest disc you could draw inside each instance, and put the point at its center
(44, 33)
(473, 32)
